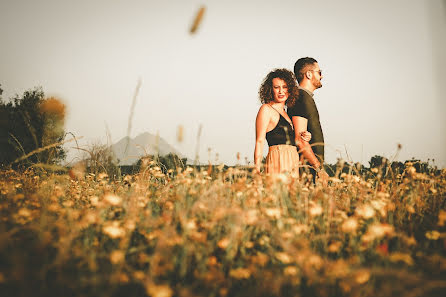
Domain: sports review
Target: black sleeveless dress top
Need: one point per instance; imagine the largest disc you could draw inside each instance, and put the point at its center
(283, 133)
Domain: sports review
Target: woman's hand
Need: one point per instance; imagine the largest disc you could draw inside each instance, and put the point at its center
(306, 136)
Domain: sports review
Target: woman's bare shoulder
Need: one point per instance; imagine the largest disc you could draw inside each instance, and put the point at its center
(264, 113)
(265, 108)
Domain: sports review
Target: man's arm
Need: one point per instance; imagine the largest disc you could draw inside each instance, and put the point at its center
(300, 125)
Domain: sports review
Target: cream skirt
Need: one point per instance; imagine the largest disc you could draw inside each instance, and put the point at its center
(281, 158)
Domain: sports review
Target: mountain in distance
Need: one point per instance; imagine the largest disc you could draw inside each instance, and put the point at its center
(143, 144)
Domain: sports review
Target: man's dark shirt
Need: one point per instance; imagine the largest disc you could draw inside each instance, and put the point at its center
(306, 107)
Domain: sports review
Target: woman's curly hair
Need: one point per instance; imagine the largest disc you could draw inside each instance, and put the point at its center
(266, 94)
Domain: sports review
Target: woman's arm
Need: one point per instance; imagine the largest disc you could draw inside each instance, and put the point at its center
(262, 120)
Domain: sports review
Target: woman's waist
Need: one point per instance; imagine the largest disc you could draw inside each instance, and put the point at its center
(282, 147)
(276, 139)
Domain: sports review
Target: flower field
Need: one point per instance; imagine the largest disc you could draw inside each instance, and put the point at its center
(222, 232)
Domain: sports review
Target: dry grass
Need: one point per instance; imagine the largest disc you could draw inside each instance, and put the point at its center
(221, 233)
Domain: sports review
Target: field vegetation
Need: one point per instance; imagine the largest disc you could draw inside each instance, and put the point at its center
(218, 231)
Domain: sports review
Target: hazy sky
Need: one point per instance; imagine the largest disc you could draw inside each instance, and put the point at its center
(383, 63)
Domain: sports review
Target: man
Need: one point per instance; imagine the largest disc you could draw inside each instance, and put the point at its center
(305, 116)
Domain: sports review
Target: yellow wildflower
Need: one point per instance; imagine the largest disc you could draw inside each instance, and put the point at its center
(240, 273)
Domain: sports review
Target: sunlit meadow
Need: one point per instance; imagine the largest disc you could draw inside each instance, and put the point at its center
(222, 232)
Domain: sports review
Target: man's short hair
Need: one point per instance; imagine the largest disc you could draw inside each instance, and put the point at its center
(301, 65)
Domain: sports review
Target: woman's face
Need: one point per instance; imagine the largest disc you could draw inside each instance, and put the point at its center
(280, 90)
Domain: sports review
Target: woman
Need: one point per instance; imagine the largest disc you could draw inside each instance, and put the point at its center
(274, 125)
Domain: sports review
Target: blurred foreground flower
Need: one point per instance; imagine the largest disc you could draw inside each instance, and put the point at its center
(299, 229)
(117, 256)
(380, 230)
(377, 231)
(223, 243)
(102, 175)
(280, 178)
(433, 235)
(24, 212)
(441, 217)
(159, 291)
(315, 210)
(240, 273)
(365, 211)
(410, 208)
(334, 247)
(273, 213)
(283, 257)
(349, 226)
(401, 257)
(113, 199)
(113, 230)
(362, 276)
(290, 271)
(315, 261)
(250, 217)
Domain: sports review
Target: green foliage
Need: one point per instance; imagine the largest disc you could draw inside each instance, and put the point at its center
(172, 161)
(378, 161)
(101, 159)
(25, 127)
(167, 162)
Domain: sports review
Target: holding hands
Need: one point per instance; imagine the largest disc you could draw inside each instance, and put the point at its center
(306, 136)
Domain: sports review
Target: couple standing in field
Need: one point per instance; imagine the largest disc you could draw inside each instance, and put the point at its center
(289, 120)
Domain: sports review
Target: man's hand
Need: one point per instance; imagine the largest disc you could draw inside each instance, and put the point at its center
(306, 136)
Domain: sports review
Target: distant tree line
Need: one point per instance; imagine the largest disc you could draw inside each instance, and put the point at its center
(167, 163)
(381, 165)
